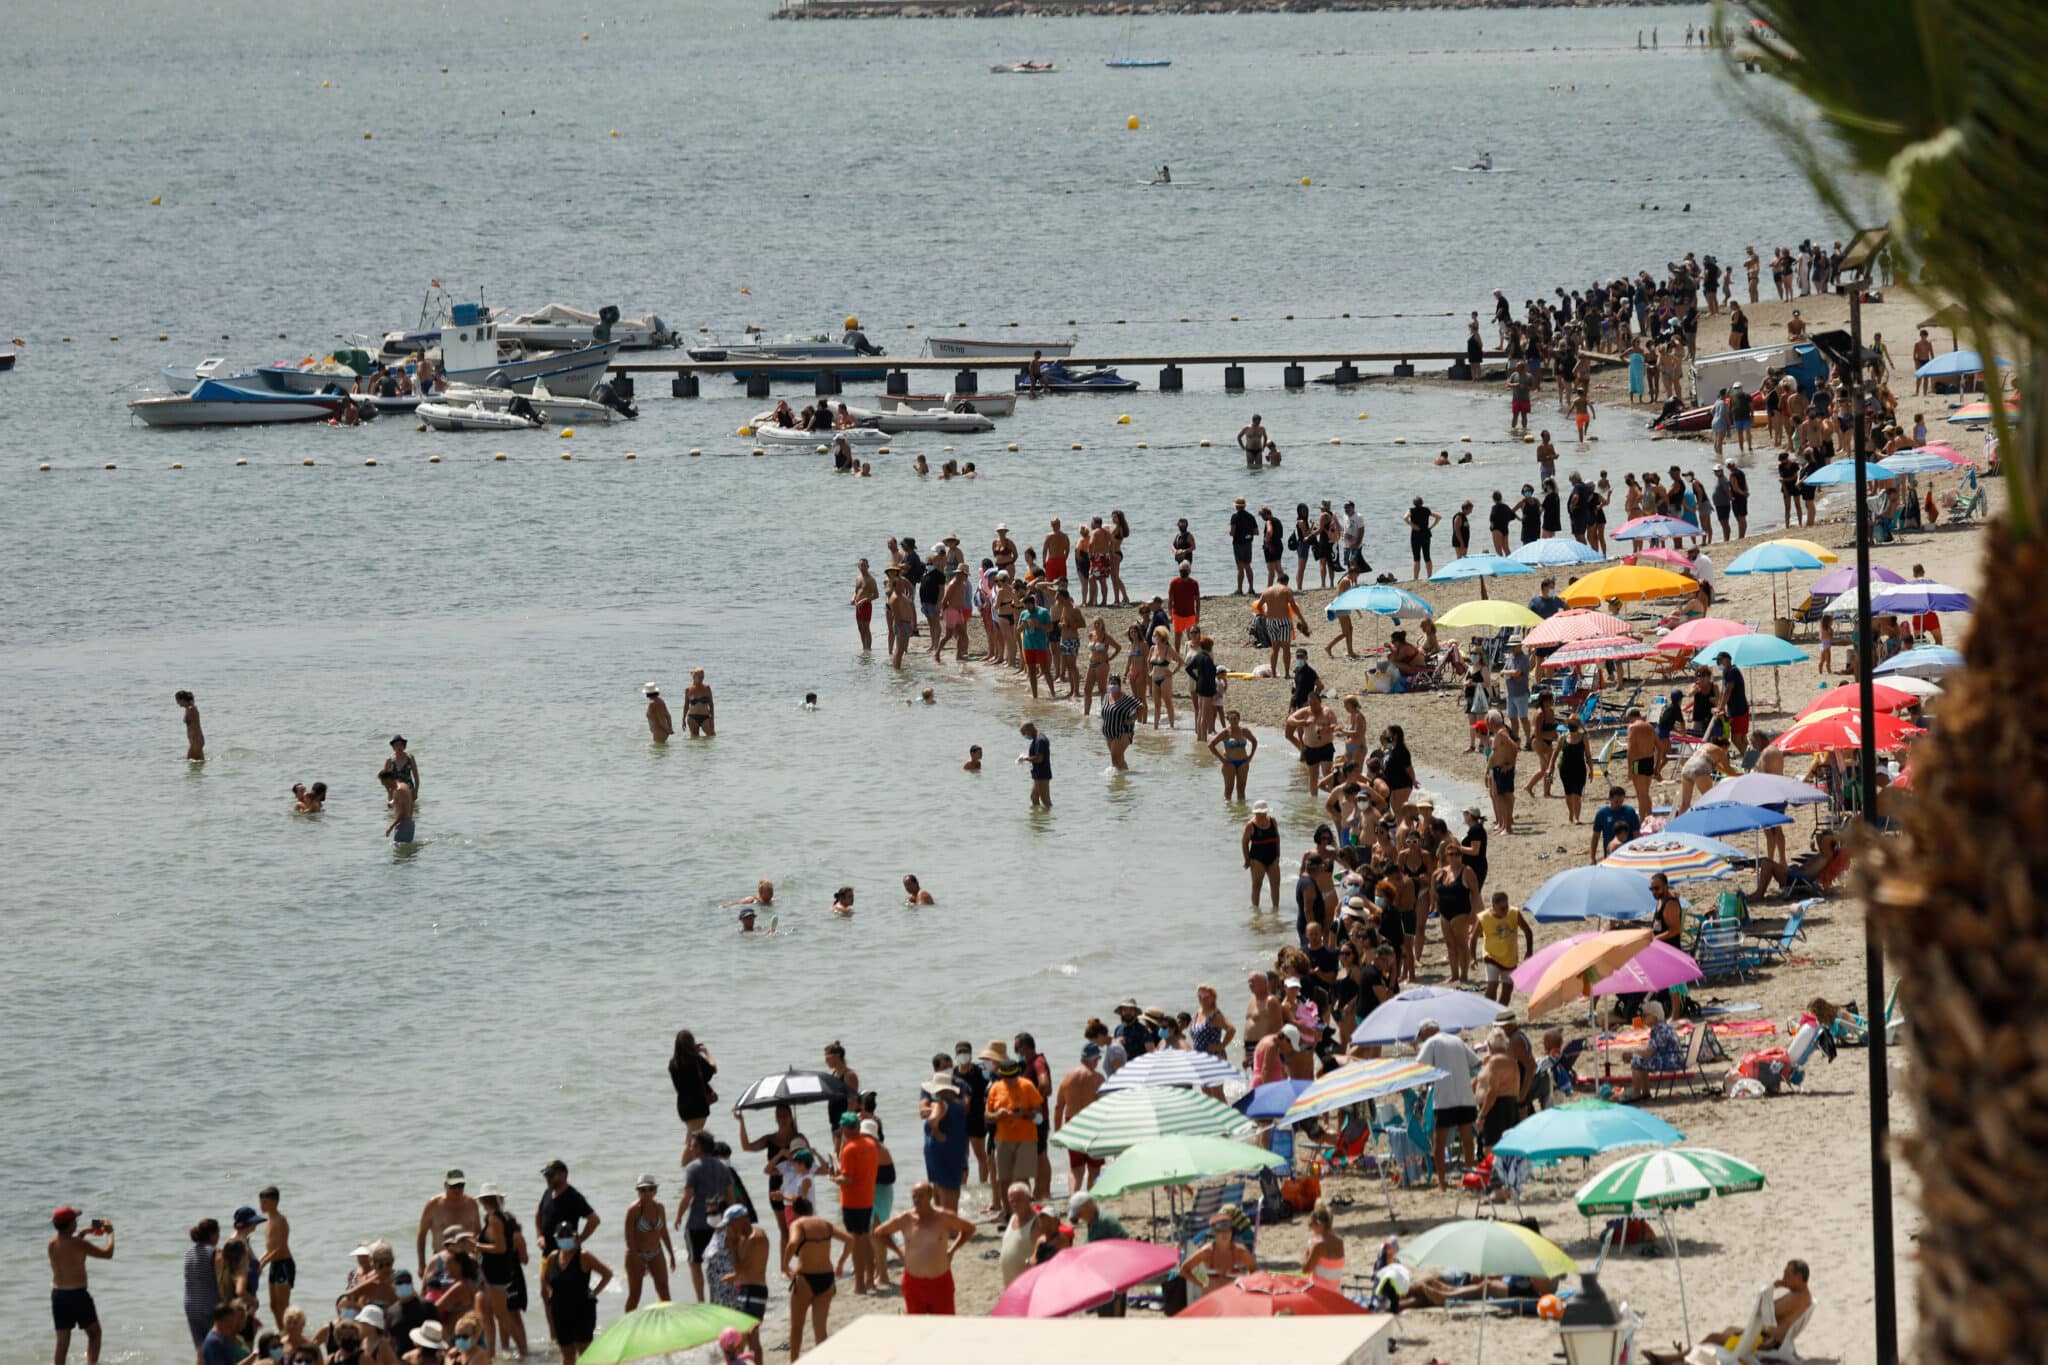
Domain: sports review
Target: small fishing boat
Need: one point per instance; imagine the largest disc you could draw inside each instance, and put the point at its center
(903, 417)
(797, 348)
(987, 404)
(214, 404)
(969, 348)
(183, 378)
(311, 375)
(1059, 379)
(442, 414)
(1025, 68)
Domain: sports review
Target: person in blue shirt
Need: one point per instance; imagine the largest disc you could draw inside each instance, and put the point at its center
(1546, 603)
(1034, 623)
(1037, 753)
(220, 1346)
(1614, 823)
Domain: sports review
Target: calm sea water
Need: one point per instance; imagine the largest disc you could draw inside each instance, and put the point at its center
(205, 993)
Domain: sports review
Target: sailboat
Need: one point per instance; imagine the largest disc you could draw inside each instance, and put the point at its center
(1126, 61)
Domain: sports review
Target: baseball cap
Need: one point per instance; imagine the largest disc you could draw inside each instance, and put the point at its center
(556, 1165)
(64, 1217)
(849, 1120)
(455, 1177)
(1091, 1049)
(646, 1182)
(244, 1216)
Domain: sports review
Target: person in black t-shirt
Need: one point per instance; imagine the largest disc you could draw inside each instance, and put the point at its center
(1244, 529)
(564, 1203)
(1499, 518)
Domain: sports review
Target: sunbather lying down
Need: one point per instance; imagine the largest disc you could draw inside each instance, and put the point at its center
(1434, 1289)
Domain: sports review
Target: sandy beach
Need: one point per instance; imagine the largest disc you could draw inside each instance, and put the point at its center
(1811, 1144)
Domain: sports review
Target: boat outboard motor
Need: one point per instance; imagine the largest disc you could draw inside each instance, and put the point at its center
(858, 339)
(605, 394)
(520, 407)
(659, 333)
(606, 316)
(499, 380)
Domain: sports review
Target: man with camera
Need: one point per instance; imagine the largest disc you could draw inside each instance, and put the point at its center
(71, 1305)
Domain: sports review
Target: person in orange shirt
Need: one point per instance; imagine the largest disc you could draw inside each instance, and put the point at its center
(860, 1157)
(1014, 1107)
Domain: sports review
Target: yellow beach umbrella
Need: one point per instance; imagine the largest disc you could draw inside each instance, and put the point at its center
(1628, 583)
(1572, 974)
(1820, 552)
(1489, 611)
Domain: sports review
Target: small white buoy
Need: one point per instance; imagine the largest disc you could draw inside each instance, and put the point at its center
(1204, 444)
(499, 458)
(237, 462)
(1143, 446)
(433, 459)
(694, 452)
(1400, 440)
(1013, 447)
(1335, 441)
(308, 463)
(566, 455)
(631, 456)
(1465, 440)
(369, 464)
(759, 451)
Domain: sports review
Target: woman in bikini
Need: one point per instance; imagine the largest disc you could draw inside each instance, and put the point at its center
(1116, 559)
(648, 1249)
(1161, 663)
(1101, 651)
(1234, 746)
(778, 1148)
(1137, 675)
(807, 1261)
(1353, 731)
(1324, 1259)
(1221, 1259)
(697, 706)
(1343, 634)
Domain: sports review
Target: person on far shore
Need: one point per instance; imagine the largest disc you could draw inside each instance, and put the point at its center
(1037, 753)
(659, 723)
(195, 738)
(71, 1305)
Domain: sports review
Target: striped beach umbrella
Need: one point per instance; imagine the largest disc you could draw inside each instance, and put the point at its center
(1680, 860)
(1666, 1179)
(1568, 626)
(1173, 1066)
(1357, 1083)
(1556, 553)
(1603, 651)
(1922, 661)
(1128, 1117)
(1654, 528)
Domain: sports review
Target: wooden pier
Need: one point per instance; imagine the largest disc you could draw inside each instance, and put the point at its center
(966, 372)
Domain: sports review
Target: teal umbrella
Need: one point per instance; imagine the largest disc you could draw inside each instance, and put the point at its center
(1584, 1128)
(661, 1329)
(1381, 599)
(1181, 1161)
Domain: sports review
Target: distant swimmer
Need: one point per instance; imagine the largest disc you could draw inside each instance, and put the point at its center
(195, 738)
(810, 701)
(659, 723)
(1165, 176)
(914, 892)
(973, 763)
(842, 902)
(697, 706)
(764, 894)
(1443, 457)
(400, 830)
(311, 799)
(747, 925)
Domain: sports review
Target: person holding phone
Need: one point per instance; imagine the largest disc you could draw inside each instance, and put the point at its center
(71, 1305)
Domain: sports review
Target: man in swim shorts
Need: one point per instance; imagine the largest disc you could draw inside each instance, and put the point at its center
(1053, 554)
(400, 830)
(864, 594)
(954, 615)
(930, 1237)
(1078, 1089)
(1645, 752)
(71, 1305)
(1519, 385)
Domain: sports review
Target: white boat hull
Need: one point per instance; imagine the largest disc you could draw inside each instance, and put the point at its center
(316, 379)
(766, 432)
(568, 374)
(472, 417)
(942, 420)
(964, 348)
(192, 412)
(554, 409)
(987, 404)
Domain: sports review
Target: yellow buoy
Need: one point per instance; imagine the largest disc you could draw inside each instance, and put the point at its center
(1361, 417)
(110, 466)
(237, 462)
(307, 463)
(1075, 446)
(1528, 440)
(759, 451)
(369, 464)
(567, 432)
(695, 452)
(1400, 440)
(325, 84)
(1013, 324)
(1233, 317)
(746, 431)
(1336, 441)
(1123, 420)
(498, 458)
(163, 336)
(366, 134)
(852, 322)
(1143, 446)
(586, 37)
(1305, 180)
(115, 337)
(944, 449)
(614, 133)
(179, 466)
(1465, 440)
(881, 450)
(43, 468)
(1131, 122)
(433, 459)
(567, 456)
(1183, 317)
(631, 456)
(1012, 447)
(1203, 443)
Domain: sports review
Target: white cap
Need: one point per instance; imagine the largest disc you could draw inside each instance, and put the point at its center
(1291, 1034)
(372, 1316)
(870, 1128)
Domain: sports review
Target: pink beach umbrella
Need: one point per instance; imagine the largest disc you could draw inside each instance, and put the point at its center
(1084, 1277)
(1658, 967)
(1702, 631)
(1580, 624)
(1662, 556)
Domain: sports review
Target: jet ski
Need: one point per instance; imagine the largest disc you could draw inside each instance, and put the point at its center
(1060, 379)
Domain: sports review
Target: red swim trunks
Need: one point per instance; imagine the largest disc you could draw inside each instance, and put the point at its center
(863, 611)
(1056, 568)
(928, 1298)
(1037, 656)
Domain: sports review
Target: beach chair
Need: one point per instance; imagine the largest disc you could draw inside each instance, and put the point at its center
(1761, 1319)
(1786, 1352)
(1823, 881)
(1694, 1073)
(1851, 1027)
(1966, 508)
(1192, 1226)
(1718, 950)
(1768, 950)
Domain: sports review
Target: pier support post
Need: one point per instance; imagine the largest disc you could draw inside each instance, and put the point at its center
(964, 382)
(683, 386)
(1170, 379)
(622, 385)
(1233, 379)
(898, 384)
(1294, 377)
(757, 385)
(1347, 373)
(1404, 371)
(827, 382)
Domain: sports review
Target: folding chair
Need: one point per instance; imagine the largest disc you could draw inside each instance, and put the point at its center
(1767, 950)
(1718, 950)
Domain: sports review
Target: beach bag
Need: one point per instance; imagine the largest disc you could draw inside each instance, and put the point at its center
(1628, 1232)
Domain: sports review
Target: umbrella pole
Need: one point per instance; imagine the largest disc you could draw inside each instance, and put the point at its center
(1480, 1357)
(1684, 1312)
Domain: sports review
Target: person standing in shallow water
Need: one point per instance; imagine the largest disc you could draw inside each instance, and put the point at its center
(697, 706)
(195, 738)
(1037, 753)
(659, 723)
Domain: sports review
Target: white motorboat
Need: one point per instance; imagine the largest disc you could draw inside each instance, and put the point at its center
(214, 404)
(340, 369)
(966, 348)
(552, 408)
(768, 433)
(468, 354)
(184, 378)
(443, 415)
(560, 327)
(987, 404)
(903, 417)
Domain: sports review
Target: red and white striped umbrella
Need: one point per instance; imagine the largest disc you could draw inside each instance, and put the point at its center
(1569, 626)
(1600, 651)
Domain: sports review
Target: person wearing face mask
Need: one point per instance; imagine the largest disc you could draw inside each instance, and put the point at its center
(470, 1344)
(411, 1309)
(566, 1290)
(973, 1095)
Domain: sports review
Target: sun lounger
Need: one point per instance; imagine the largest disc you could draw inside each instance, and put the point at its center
(1851, 1027)
(1718, 950)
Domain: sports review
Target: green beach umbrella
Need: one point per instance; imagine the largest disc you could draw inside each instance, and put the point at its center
(1487, 1247)
(1663, 1180)
(1181, 1161)
(1126, 1118)
(662, 1328)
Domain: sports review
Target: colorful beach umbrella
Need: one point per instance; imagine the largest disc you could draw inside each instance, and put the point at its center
(1381, 599)
(1752, 651)
(1273, 1296)
(1655, 528)
(1844, 471)
(1922, 661)
(1814, 548)
(1595, 892)
(1628, 583)
(1173, 1066)
(1700, 631)
(1678, 859)
(1479, 566)
(1669, 1178)
(1600, 652)
(1972, 414)
(1398, 1019)
(1849, 696)
(1489, 612)
(1271, 1100)
(1917, 462)
(1843, 580)
(1772, 558)
(1766, 789)
(1125, 1118)
(1361, 1081)
(1584, 1128)
(661, 1329)
(1717, 818)
(1658, 554)
(1918, 598)
(1556, 553)
(1488, 1247)
(1578, 624)
(1557, 977)
(1180, 1161)
(1083, 1277)
(1842, 728)
(1945, 452)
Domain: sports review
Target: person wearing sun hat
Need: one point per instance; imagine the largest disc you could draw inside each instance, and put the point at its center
(1014, 1106)
(1219, 1261)
(659, 724)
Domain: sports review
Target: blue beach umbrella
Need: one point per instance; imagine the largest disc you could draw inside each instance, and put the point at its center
(1725, 817)
(1916, 599)
(1398, 1019)
(1772, 558)
(1916, 462)
(1380, 599)
(1559, 552)
(1270, 1101)
(1844, 471)
(1752, 651)
(1595, 892)
(1584, 1128)
(1922, 661)
(1478, 566)
(1956, 363)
